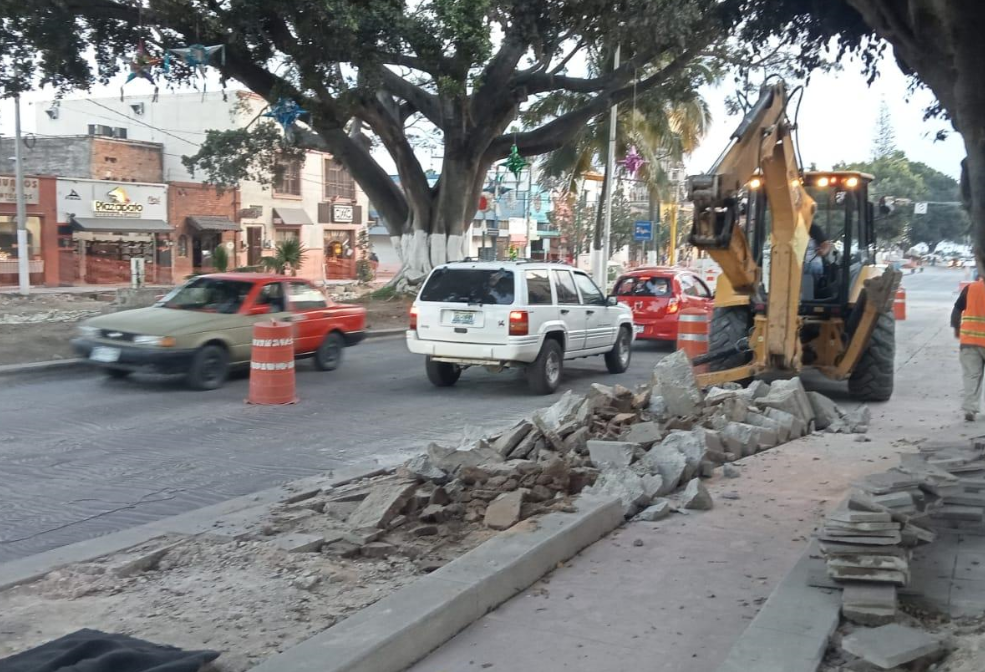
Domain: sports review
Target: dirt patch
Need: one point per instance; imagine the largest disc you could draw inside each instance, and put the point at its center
(239, 592)
(390, 313)
(39, 327)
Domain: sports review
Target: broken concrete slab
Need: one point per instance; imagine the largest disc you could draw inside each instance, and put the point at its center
(729, 471)
(689, 444)
(859, 419)
(781, 430)
(658, 407)
(383, 504)
(890, 645)
(296, 542)
(826, 412)
(527, 446)
(644, 433)
(504, 511)
(452, 459)
(870, 604)
(674, 380)
(658, 510)
(794, 425)
(422, 469)
(741, 439)
(797, 387)
(696, 496)
(144, 562)
(615, 453)
(509, 440)
(623, 483)
(577, 441)
(756, 389)
(653, 485)
(892, 480)
(668, 462)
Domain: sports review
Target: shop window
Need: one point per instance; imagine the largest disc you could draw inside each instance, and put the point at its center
(183, 246)
(338, 181)
(8, 237)
(280, 235)
(287, 178)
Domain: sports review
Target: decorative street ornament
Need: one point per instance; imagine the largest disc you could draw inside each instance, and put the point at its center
(633, 161)
(285, 112)
(514, 162)
(198, 56)
(142, 66)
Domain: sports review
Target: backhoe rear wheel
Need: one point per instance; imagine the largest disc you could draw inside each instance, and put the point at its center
(872, 379)
(729, 326)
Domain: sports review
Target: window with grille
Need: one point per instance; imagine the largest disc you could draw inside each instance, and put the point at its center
(338, 181)
(287, 179)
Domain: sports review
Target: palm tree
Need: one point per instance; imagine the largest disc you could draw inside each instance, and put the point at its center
(289, 254)
(663, 125)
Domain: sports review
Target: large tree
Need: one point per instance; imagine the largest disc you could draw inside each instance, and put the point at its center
(367, 70)
(938, 42)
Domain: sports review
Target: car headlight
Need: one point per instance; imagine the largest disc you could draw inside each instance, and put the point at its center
(161, 341)
(89, 332)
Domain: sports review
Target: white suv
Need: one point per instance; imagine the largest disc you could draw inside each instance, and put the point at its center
(501, 314)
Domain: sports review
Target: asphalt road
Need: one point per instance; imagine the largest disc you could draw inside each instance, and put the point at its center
(82, 456)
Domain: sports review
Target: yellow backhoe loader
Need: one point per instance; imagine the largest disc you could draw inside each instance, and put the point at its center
(799, 284)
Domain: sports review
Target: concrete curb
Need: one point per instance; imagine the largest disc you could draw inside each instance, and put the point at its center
(404, 627)
(226, 517)
(56, 364)
(791, 631)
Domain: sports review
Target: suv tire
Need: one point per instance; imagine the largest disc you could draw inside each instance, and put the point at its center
(617, 360)
(117, 374)
(544, 373)
(209, 368)
(442, 374)
(328, 356)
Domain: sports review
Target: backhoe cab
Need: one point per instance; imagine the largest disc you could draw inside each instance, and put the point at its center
(799, 284)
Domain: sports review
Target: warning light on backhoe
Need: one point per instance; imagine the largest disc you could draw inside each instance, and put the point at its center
(851, 182)
(822, 181)
(755, 183)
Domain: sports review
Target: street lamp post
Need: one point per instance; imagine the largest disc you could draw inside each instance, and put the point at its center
(23, 250)
(602, 265)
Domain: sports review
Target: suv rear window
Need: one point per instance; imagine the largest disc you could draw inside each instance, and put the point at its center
(469, 285)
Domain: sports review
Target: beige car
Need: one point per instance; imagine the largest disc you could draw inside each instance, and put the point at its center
(204, 327)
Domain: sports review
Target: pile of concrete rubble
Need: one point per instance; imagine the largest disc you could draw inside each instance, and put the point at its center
(868, 540)
(641, 446)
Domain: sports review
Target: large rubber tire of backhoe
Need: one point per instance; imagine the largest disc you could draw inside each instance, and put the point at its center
(872, 379)
(728, 326)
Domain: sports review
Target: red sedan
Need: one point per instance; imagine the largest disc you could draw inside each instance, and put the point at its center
(657, 294)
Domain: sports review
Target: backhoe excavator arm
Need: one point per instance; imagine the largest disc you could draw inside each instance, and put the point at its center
(761, 155)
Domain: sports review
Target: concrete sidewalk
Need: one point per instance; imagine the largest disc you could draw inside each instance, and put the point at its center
(676, 595)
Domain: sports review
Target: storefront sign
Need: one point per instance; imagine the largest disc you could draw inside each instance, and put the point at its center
(117, 203)
(342, 214)
(8, 189)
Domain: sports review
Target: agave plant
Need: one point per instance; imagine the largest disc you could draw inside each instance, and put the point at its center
(288, 255)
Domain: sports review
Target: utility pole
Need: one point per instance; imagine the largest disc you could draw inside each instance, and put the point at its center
(23, 249)
(602, 267)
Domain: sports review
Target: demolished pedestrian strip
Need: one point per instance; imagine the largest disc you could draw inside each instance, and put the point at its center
(316, 558)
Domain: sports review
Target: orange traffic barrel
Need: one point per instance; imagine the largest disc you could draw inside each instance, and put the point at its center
(899, 305)
(692, 333)
(272, 364)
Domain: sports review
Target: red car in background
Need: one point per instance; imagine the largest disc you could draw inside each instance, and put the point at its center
(657, 294)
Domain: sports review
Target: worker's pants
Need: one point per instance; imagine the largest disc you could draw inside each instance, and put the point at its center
(972, 366)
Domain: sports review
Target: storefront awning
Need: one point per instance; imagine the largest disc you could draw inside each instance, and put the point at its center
(286, 217)
(120, 225)
(212, 223)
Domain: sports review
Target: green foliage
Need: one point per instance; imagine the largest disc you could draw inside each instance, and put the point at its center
(288, 255)
(896, 177)
(220, 259)
(256, 153)
(884, 142)
(364, 268)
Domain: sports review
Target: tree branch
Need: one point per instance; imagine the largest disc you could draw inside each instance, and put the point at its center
(425, 103)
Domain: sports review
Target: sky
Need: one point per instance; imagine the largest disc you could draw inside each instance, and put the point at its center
(837, 120)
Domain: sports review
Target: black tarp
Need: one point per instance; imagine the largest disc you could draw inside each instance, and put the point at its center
(94, 651)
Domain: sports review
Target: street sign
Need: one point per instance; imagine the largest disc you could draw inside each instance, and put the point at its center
(643, 230)
(920, 208)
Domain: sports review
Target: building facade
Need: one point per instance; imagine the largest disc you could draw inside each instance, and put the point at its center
(314, 200)
(42, 231)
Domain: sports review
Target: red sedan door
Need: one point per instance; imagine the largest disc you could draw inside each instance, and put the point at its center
(311, 315)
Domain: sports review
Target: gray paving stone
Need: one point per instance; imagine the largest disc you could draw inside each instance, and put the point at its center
(382, 505)
(299, 543)
(615, 453)
(890, 645)
(674, 380)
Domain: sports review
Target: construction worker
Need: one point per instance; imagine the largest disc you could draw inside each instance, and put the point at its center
(968, 322)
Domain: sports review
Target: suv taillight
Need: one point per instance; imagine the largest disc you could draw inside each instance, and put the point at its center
(673, 306)
(413, 318)
(519, 323)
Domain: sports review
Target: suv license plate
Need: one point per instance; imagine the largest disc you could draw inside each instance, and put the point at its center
(639, 328)
(463, 317)
(100, 354)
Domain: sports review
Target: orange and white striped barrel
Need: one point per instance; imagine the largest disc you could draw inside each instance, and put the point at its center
(692, 333)
(272, 364)
(899, 305)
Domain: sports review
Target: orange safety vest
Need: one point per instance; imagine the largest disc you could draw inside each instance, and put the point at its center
(973, 317)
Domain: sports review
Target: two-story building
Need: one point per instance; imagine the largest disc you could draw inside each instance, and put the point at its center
(314, 200)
